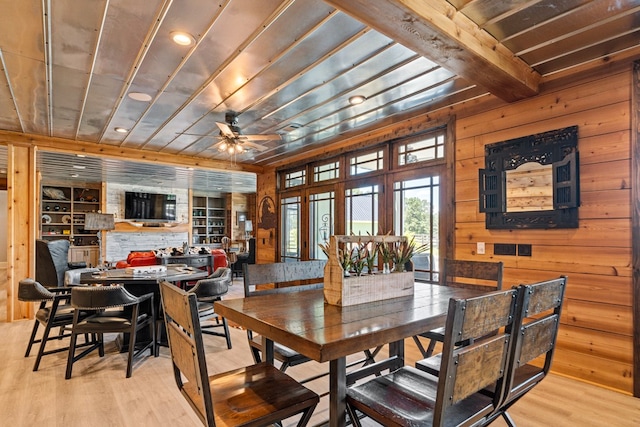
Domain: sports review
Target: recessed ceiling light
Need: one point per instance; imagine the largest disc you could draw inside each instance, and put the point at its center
(74, 175)
(3, 171)
(182, 38)
(357, 99)
(121, 130)
(79, 167)
(80, 155)
(139, 96)
(189, 168)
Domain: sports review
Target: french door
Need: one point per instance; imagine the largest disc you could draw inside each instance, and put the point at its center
(417, 201)
(307, 220)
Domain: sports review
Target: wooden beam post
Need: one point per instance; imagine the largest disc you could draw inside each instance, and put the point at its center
(22, 202)
(635, 221)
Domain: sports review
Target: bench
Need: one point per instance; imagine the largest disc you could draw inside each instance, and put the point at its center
(260, 279)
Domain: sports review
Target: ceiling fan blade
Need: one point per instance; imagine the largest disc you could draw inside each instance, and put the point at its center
(254, 145)
(201, 135)
(271, 137)
(226, 130)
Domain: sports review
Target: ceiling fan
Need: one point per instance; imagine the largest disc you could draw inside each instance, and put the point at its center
(233, 141)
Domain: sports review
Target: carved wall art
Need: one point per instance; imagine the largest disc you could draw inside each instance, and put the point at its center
(532, 181)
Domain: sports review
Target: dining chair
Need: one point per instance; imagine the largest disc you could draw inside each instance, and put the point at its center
(54, 312)
(52, 261)
(288, 277)
(537, 330)
(112, 310)
(255, 275)
(410, 397)
(257, 395)
(207, 292)
(482, 275)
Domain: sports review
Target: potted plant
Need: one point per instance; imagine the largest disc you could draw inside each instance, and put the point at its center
(404, 251)
(386, 252)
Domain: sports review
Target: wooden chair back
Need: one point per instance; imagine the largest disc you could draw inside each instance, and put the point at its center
(187, 349)
(472, 274)
(537, 327)
(257, 395)
(466, 370)
(471, 377)
(283, 276)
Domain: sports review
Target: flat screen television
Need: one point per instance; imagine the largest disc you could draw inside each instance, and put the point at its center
(150, 206)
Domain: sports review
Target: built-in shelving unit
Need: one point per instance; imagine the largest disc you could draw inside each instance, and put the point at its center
(62, 217)
(209, 220)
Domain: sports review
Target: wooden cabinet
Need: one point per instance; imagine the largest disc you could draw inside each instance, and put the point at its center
(209, 220)
(62, 217)
(88, 254)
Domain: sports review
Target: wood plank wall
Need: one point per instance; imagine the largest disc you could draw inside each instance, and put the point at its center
(595, 342)
(596, 334)
(266, 233)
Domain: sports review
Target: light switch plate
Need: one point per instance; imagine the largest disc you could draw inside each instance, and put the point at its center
(480, 248)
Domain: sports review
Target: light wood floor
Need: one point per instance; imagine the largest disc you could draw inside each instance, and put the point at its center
(100, 395)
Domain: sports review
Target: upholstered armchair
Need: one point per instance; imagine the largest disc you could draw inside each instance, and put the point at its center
(52, 261)
(208, 291)
(110, 309)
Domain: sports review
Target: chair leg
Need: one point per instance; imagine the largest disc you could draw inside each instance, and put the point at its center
(153, 348)
(421, 349)
(32, 338)
(430, 348)
(353, 416)
(43, 342)
(508, 419)
(71, 357)
(100, 338)
(132, 349)
(225, 325)
(370, 356)
(306, 416)
(254, 351)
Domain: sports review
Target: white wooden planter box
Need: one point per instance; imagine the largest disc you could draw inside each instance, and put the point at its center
(351, 290)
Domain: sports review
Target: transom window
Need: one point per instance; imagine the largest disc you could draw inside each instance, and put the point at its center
(421, 148)
(366, 162)
(295, 178)
(326, 172)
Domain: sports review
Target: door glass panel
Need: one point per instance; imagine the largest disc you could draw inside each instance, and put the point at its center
(290, 226)
(321, 209)
(361, 210)
(416, 214)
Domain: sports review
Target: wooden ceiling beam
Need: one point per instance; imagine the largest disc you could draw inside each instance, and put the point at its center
(62, 145)
(437, 31)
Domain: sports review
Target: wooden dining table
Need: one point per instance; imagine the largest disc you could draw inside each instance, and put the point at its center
(303, 322)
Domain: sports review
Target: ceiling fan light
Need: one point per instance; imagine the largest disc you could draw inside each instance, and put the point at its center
(239, 148)
(223, 146)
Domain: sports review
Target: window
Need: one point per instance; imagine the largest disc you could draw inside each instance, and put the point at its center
(290, 237)
(326, 171)
(295, 178)
(361, 210)
(417, 215)
(321, 211)
(408, 195)
(421, 148)
(365, 163)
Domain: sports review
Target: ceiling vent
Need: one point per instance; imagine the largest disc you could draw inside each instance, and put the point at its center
(291, 127)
